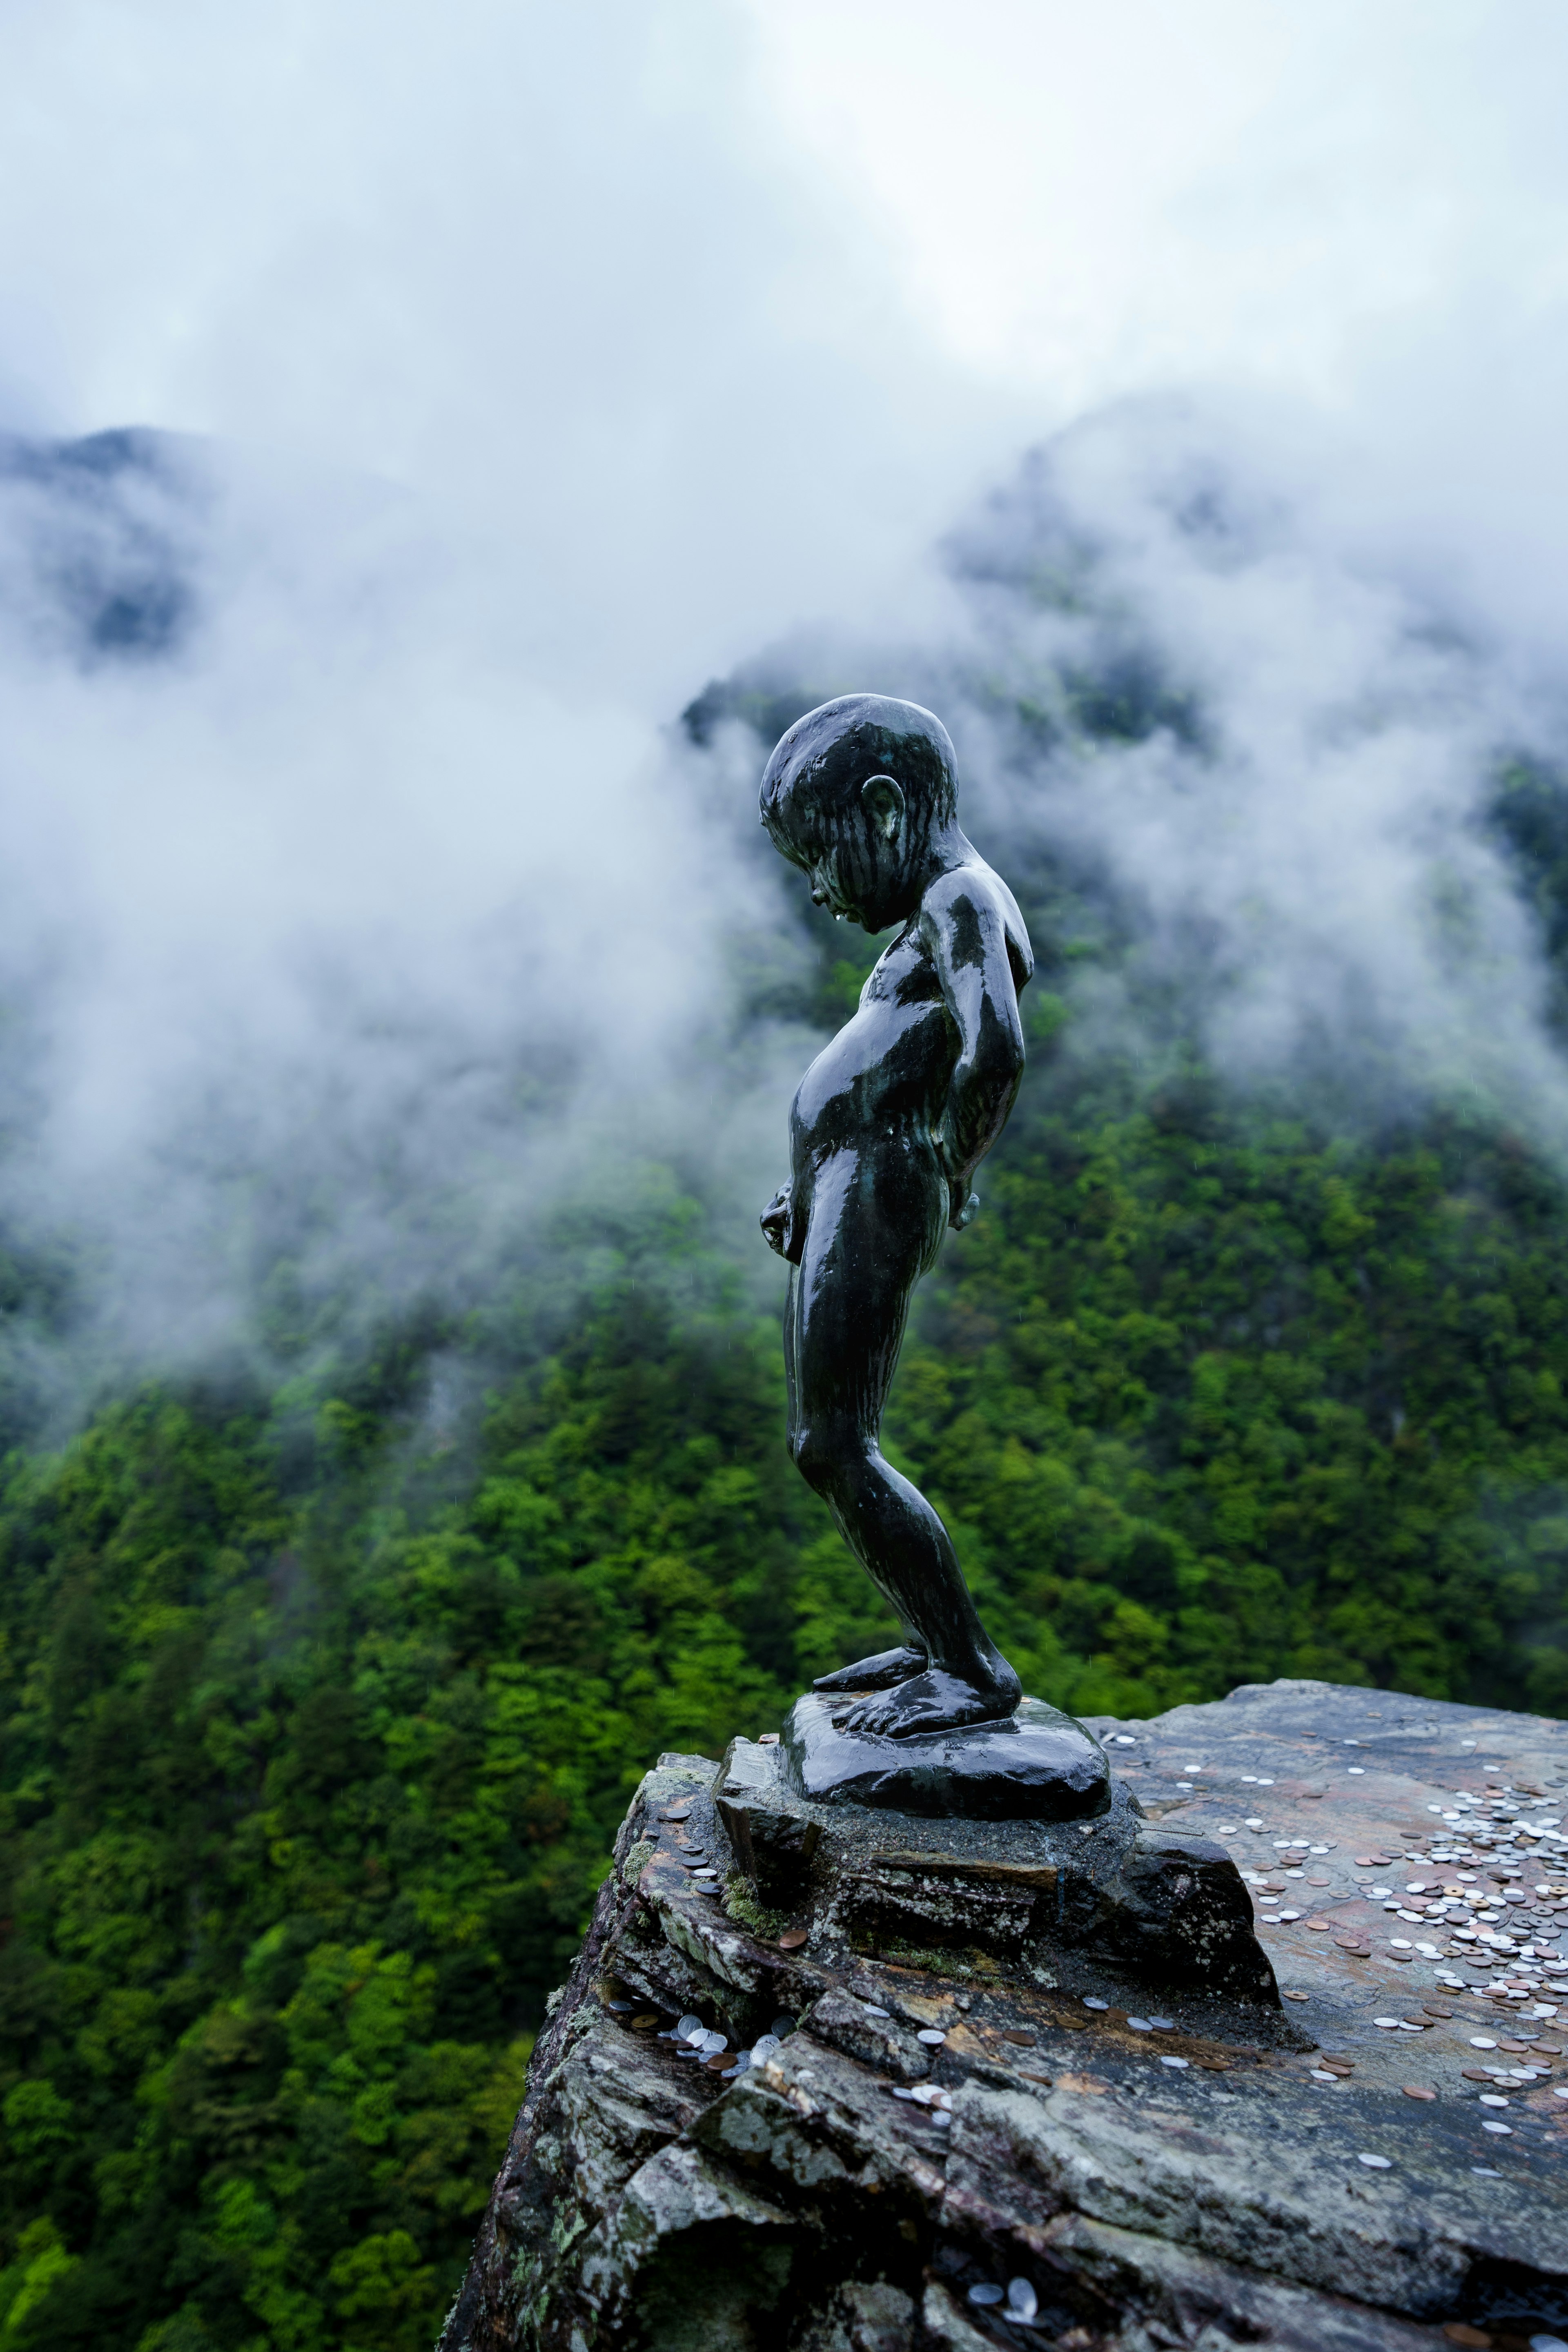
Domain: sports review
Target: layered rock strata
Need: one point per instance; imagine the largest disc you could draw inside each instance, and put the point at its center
(1028, 2089)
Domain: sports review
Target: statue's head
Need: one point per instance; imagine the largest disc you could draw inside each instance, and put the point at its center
(856, 794)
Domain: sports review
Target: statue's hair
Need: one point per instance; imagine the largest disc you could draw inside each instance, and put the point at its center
(840, 745)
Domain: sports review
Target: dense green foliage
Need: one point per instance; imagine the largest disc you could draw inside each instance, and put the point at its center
(316, 1719)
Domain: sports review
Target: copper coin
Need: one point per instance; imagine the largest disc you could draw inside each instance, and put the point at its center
(1433, 2010)
(791, 1940)
(1023, 2041)
(641, 2024)
(1321, 1926)
(1457, 2332)
(1414, 2091)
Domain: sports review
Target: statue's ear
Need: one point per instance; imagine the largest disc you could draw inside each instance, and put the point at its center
(882, 799)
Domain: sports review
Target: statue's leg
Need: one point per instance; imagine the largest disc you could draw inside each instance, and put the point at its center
(874, 1226)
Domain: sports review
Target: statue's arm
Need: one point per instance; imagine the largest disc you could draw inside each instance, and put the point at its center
(963, 925)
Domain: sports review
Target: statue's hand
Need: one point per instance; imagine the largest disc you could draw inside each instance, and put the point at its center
(775, 1222)
(965, 1207)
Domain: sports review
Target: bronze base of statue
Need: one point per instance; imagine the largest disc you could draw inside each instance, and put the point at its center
(1034, 1765)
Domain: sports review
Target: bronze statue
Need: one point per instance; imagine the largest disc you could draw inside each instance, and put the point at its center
(889, 1125)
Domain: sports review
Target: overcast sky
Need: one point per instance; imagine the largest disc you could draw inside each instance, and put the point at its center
(715, 311)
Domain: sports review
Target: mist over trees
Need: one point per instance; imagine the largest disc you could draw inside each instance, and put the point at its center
(334, 1636)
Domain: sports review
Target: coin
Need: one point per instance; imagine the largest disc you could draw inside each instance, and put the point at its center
(791, 1940)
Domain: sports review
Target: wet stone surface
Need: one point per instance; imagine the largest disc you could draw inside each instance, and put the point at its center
(1076, 2153)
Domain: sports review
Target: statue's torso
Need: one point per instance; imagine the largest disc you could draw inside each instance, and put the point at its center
(885, 1076)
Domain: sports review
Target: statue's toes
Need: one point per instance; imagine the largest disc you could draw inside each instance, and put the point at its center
(873, 1715)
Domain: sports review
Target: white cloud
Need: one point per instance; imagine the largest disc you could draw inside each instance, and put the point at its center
(551, 360)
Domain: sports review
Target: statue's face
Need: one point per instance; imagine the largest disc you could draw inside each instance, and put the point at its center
(853, 872)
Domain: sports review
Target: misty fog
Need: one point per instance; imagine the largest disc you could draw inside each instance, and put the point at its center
(401, 432)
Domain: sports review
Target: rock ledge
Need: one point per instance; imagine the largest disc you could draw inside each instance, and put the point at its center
(1087, 2156)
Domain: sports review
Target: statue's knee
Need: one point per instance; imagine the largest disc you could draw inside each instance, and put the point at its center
(818, 1454)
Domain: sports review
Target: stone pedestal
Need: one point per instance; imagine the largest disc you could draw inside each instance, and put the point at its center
(1048, 2061)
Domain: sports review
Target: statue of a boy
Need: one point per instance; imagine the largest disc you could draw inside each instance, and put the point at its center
(888, 1125)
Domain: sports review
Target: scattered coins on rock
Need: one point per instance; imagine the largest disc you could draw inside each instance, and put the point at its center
(931, 2036)
(1021, 2300)
(986, 2294)
(1376, 2163)
(1415, 2091)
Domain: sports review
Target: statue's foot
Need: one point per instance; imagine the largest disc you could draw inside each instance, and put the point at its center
(880, 1673)
(938, 1700)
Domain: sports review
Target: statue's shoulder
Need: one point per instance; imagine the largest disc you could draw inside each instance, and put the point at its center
(964, 895)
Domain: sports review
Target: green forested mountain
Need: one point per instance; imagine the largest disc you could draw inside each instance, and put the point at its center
(316, 1715)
